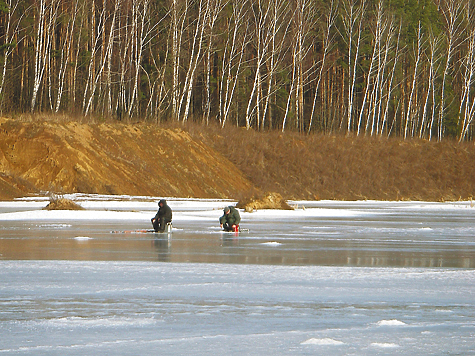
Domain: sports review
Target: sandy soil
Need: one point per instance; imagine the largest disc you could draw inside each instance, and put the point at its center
(111, 159)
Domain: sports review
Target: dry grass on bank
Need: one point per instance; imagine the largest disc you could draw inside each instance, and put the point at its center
(62, 204)
(349, 168)
(267, 200)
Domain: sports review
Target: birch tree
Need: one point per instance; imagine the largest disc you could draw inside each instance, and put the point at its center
(233, 54)
(9, 38)
(410, 109)
(384, 83)
(330, 18)
(214, 10)
(178, 16)
(46, 17)
(141, 31)
(292, 85)
(452, 12)
(66, 46)
(390, 84)
(195, 55)
(428, 118)
(94, 77)
(352, 17)
(374, 57)
(157, 99)
(303, 20)
(262, 36)
(467, 103)
(158, 92)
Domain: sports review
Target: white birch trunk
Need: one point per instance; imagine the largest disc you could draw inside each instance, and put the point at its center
(12, 29)
(215, 9)
(194, 59)
(410, 110)
(67, 44)
(327, 42)
(369, 77)
(230, 69)
(452, 16)
(262, 36)
(382, 76)
(353, 66)
(291, 91)
(277, 51)
(99, 74)
(42, 48)
(177, 29)
(433, 46)
(390, 86)
(466, 110)
(140, 20)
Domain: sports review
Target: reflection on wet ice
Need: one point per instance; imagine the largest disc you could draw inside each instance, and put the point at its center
(398, 234)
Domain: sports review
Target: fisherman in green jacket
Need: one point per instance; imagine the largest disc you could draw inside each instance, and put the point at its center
(231, 219)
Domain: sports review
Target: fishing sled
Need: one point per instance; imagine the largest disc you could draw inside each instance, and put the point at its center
(140, 231)
(168, 229)
(235, 232)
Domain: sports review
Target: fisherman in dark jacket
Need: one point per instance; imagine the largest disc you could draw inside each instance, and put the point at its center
(163, 216)
(231, 219)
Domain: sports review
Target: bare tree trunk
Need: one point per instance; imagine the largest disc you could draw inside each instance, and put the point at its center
(353, 15)
(382, 77)
(66, 48)
(162, 92)
(327, 42)
(303, 20)
(369, 76)
(140, 21)
(466, 110)
(262, 36)
(11, 32)
(292, 85)
(194, 59)
(76, 58)
(390, 85)
(177, 28)
(101, 28)
(451, 13)
(46, 17)
(215, 7)
(272, 56)
(410, 110)
(434, 43)
(230, 71)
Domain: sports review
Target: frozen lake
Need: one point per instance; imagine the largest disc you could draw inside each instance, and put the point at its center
(339, 278)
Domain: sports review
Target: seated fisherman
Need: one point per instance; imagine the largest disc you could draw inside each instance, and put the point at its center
(163, 216)
(231, 219)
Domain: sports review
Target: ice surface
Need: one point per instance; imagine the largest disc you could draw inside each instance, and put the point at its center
(329, 278)
(325, 341)
(150, 308)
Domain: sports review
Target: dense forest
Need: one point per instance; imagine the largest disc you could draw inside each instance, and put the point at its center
(402, 68)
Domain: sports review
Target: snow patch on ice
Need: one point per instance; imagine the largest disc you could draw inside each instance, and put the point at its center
(272, 243)
(384, 345)
(82, 238)
(76, 321)
(54, 226)
(325, 341)
(392, 322)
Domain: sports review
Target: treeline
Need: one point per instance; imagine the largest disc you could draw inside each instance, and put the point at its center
(401, 68)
